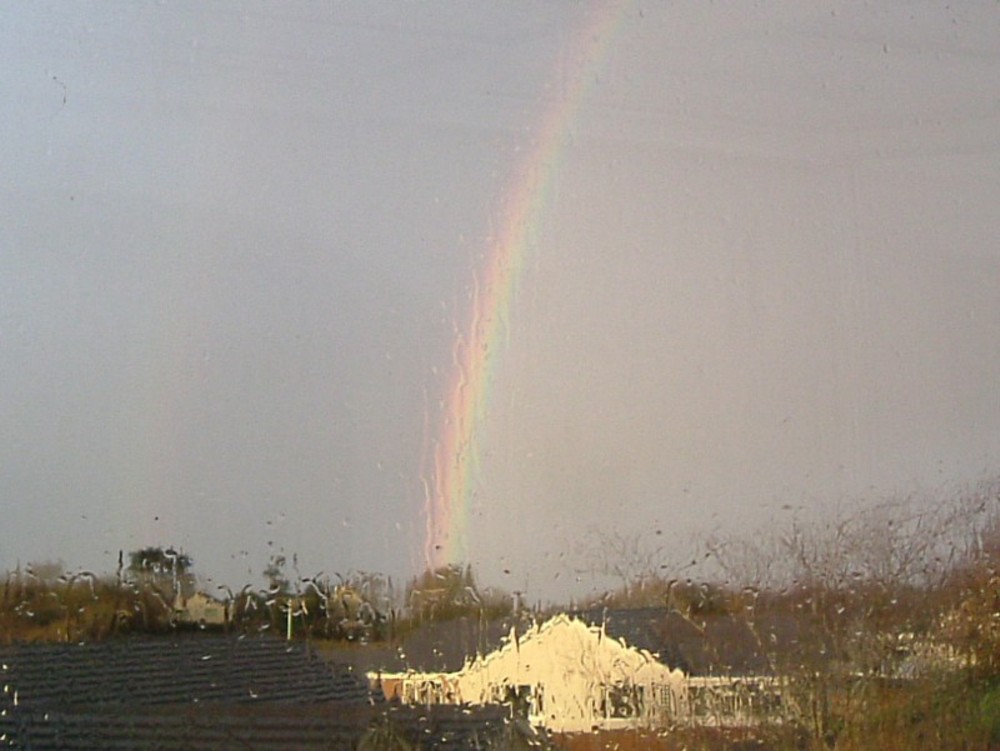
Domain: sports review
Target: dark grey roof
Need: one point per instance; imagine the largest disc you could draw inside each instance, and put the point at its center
(191, 728)
(194, 693)
(309, 727)
(186, 692)
(643, 628)
(166, 671)
(702, 644)
(706, 644)
(442, 646)
(445, 646)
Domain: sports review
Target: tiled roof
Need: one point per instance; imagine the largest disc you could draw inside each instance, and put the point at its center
(178, 693)
(445, 646)
(308, 727)
(442, 646)
(164, 671)
(708, 644)
(191, 728)
(703, 644)
(194, 693)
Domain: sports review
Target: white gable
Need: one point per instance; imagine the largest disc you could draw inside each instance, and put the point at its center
(573, 677)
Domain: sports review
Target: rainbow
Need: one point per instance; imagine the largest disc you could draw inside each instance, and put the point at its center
(451, 457)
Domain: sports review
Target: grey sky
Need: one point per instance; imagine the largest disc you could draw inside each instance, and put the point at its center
(235, 241)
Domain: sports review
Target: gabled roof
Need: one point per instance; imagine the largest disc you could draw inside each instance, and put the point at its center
(644, 628)
(446, 646)
(198, 692)
(168, 671)
(191, 692)
(579, 632)
(190, 728)
(706, 644)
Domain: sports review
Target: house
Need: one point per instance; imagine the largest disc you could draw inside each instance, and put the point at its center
(564, 675)
(732, 664)
(449, 728)
(200, 692)
(607, 669)
(201, 609)
(717, 644)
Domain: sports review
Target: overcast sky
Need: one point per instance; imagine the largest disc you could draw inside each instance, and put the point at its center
(237, 240)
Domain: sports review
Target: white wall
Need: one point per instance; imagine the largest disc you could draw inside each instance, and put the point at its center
(575, 677)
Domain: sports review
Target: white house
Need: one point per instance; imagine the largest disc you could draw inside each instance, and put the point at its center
(563, 674)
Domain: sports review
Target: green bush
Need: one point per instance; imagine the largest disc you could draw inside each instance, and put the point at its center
(989, 714)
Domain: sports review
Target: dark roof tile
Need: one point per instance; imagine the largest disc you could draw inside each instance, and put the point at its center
(136, 672)
(706, 644)
(206, 693)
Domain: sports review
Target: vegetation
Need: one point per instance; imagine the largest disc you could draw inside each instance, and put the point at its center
(43, 603)
(452, 592)
(883, 622)
(159, 562)
(353, 607)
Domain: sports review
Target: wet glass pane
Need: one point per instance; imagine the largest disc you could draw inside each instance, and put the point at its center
(467, 375)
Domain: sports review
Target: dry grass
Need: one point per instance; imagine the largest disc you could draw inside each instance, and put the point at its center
(74, 608)
(678, 739)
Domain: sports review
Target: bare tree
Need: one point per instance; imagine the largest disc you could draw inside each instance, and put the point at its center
(633, 559)
(860, 583)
